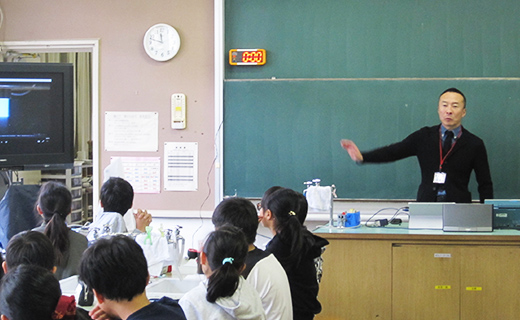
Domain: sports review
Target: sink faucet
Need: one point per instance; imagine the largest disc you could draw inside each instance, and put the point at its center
(179, 238)
(177, 241)
(169, 233)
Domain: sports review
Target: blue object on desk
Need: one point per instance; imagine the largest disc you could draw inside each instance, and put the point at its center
(353, 219)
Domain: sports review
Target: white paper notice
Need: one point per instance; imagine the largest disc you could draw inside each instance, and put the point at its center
(181, 166)
(143, 173)
(132, 131)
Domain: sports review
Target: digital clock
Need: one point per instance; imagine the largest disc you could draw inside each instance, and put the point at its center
(244, 57)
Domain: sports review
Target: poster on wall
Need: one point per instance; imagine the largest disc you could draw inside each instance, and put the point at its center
(143, 173)
(181, 166)
(131, 131)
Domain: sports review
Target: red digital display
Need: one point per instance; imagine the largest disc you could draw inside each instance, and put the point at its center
(247, 57)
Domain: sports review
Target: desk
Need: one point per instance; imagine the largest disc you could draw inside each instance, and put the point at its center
(397, 273)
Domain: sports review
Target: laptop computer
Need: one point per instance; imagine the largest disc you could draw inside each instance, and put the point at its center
(468, 217)
(425, 215)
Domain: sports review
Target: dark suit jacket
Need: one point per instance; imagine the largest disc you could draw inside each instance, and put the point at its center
(468, 154)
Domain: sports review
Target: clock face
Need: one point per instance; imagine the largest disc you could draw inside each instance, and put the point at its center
(161, 42)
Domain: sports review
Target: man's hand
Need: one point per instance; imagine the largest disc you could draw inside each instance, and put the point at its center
(352, 150)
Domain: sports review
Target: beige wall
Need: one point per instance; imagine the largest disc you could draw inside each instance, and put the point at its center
(129, 79)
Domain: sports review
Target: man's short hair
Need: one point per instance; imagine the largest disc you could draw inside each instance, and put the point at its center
(456, 91)
(29, 292)
(115, 267)
(116, 195)
(238, 212)
(30, 247)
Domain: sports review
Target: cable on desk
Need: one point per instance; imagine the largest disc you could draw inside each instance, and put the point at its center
(384, 222)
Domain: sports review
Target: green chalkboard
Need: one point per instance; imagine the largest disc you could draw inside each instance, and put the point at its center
(370, 71)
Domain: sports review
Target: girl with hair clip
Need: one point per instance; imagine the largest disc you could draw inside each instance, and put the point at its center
(296, 248)
(54, 204)
(224, 294)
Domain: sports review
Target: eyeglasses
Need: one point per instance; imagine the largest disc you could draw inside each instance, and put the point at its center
(258, 206)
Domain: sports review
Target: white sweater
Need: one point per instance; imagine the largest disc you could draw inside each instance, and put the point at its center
(243, 304)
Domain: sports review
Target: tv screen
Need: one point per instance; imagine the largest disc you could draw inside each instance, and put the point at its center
(36, 116)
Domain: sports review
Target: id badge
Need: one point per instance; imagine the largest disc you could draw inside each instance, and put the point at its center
(439, 177)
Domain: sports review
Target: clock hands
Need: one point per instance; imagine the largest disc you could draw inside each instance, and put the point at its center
(161, 42)
(157, 40)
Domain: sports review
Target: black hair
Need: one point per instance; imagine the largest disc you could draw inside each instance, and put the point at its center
(238, 212)
(303, 208)
(283, 204)
(115, 267)
(30, 247)
(116, 195)
(29, 292)
(267, 193)
(456, 91)
(226, 242)
(55, 203)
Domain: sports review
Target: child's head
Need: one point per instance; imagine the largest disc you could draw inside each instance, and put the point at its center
(54, 201)
(223, 259)
(29, 247)
(261, 204)
(29, 292)
(281, 209)
(116, 195)
(283, 205)
(115, 267)
(238, 212)
(54, 204)
(267, 193)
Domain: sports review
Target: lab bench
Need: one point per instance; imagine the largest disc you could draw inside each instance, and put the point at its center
(397, 273)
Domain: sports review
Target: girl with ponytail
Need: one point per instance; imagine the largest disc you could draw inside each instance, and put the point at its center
(54, 205)
(295, 247)
(224, 294)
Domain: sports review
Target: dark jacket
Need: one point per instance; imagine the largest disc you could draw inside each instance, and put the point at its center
(468, 154)
(302, 274)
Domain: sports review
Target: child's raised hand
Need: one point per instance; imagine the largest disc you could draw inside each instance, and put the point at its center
(142, 219)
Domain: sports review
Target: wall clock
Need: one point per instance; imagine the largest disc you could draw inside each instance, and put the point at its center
(161, 42)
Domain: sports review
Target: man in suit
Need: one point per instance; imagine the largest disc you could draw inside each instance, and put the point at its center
(447, 154)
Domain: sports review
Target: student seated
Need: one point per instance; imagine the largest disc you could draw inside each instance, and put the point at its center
(116, 270)
(296, 249)
(319, 241)
(29, 292)
(224, 294)
(34, 248)
(29, 247)
(116, 197)
(263, 271)
(54, 204)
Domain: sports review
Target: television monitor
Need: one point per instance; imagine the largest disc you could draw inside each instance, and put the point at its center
(36, 116)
